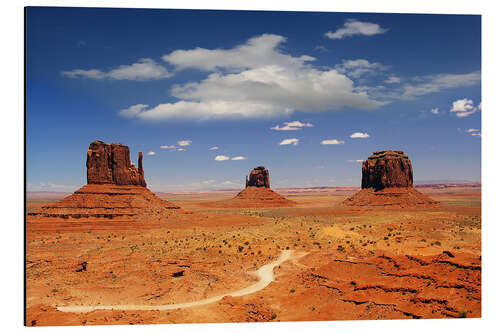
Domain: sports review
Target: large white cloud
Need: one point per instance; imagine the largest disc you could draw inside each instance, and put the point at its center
(354, 27)
(142, 70)
(253, 80)
(257, 52)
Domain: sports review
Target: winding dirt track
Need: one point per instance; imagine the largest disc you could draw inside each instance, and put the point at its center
(264, 273)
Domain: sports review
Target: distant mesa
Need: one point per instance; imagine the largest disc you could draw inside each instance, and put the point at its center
(387, 180)
(257, 193)
(115, 189)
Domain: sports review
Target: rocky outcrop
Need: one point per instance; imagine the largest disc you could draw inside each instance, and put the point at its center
(259, 177)
(116, 190)
(256, 194)
(109, 163)
(387, 181)
(387, 168)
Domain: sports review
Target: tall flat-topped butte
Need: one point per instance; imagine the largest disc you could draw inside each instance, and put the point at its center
(115, 189)
(387, 181)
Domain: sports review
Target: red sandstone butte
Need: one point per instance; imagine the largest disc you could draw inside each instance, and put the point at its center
(259, 177)
(115, 189)
(387, 181)
(257, 193)
(109, 163)
(387, 168)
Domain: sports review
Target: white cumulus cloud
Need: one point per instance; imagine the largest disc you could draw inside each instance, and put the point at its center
(254, 80)
(360, 135)
(292, 141)
(184, 143)
(142, 70)
(221, 158)
(435, 111)
(151, 153)
(238, 158)
(463, 107)
(332, 142)
(168, 147)
(354, 27)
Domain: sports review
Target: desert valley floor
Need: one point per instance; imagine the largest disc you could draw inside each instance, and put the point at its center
(345, 263)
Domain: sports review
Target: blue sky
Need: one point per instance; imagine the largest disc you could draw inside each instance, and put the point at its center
(308, 95)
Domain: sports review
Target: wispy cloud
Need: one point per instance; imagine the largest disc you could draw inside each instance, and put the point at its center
(360, 135)
(49, 186)
(354, 27)
(214, 148)
(332, 142)
(474, 132)
(292, 141)
(172, 147)
(291, 126)
(355, 161)
(360, 67)
(393, 79)
(151, 153)
(436, 83)
(142, 70)
(435, 111)
(221, 158)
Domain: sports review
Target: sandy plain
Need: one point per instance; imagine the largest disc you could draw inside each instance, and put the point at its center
(345, 263)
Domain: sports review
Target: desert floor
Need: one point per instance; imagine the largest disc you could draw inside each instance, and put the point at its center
(345, 264)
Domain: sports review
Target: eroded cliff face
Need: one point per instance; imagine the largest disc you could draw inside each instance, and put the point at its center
(259, 177)
(109, 163)
(387, 182)
(385, 169)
